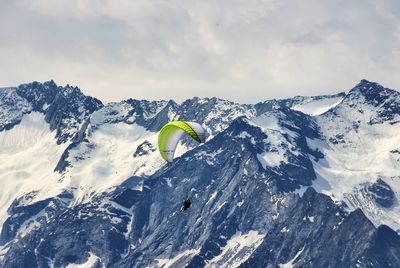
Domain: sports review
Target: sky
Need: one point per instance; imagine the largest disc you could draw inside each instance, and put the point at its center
(246, 51)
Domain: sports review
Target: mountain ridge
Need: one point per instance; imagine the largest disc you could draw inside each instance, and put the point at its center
(112, 198)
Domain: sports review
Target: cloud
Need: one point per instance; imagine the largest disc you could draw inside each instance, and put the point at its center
(246, 51)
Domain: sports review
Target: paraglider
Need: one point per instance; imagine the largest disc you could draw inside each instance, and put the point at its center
(186, 204)
(168, 139)
(171, 133)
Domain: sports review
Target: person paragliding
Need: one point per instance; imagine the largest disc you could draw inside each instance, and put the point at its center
(168, 139)
(186, 204)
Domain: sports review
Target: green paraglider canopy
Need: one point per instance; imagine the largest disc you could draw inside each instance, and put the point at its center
(171, 133)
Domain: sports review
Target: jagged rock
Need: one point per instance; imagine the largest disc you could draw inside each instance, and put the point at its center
(382, 193)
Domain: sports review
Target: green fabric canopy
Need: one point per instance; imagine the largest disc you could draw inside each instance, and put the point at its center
(171, 133)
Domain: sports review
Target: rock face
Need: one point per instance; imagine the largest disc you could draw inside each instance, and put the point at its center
(65, 108)
(256, 184)
(382, 193)
(316, 233)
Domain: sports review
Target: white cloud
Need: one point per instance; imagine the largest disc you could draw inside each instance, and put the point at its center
(241, 50)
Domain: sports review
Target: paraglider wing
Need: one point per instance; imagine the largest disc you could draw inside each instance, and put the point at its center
(171, 133)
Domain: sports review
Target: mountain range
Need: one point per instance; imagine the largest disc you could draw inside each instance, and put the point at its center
(298, 182)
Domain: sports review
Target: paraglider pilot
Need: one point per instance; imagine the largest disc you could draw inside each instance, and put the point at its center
(186, 204)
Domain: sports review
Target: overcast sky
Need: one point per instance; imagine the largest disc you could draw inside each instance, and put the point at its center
(246, 51)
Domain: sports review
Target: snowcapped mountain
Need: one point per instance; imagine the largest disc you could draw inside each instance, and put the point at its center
(290, 183)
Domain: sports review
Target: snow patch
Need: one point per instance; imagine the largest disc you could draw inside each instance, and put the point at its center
(91, 261)
(237, 250)
(285, 230)
(271, 159)
(109, 159)
(357, 153)
(214, 194)
(267, 121)
(316, 107)
(3, 251)
(181, 259)
(292, 261)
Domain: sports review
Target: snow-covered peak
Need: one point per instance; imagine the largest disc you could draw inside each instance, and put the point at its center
(65, 108)
(149, 108)
(215, 114)
(359, 144)
(12, 108)
(380, 104)
(130, 111)
(372, 93)
(368, 87)
(113, 113)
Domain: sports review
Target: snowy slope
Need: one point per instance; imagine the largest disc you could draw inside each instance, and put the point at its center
(317, 106)
(107, 160)
(38, 122)
(29, 153)
(237, 250)
(360, 148)
(311, 105)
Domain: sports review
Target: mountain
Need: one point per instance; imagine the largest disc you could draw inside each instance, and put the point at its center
(300, 182)
(64, 108)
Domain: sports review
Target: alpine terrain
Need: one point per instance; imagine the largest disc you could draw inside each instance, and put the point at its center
(298, 182)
